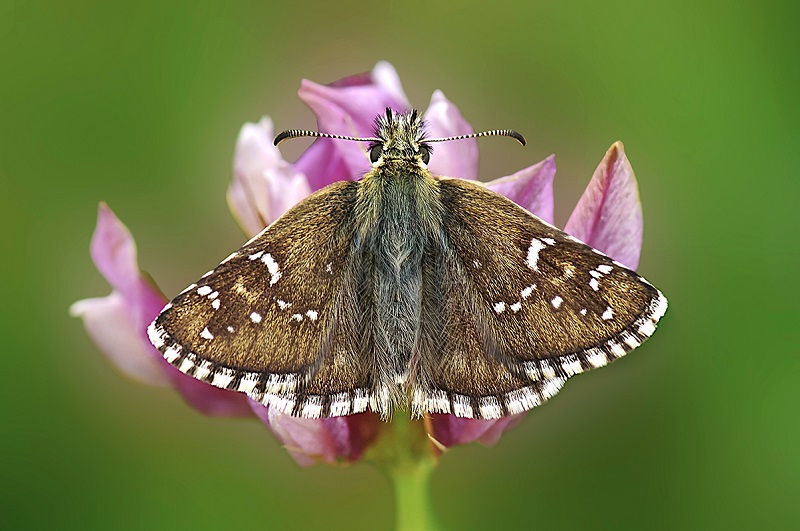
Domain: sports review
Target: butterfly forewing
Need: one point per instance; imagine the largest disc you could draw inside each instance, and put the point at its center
(250, 326)
(525, 307)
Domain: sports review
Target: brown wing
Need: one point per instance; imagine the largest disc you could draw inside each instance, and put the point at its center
(270, 320)
(521, 307)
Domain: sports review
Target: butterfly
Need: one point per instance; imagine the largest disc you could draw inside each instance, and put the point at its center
(404, 289)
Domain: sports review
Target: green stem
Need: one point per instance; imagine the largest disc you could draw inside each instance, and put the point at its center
(413, 509)
(406, 455)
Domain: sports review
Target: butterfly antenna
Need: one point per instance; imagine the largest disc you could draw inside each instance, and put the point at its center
(496, 132)
(296, 133)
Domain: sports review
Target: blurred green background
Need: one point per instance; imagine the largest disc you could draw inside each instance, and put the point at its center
(140, 107)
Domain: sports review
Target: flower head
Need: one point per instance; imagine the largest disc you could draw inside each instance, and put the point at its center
(264, 186)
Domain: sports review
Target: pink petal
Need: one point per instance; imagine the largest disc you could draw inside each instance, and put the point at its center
(363, 430)
(205, 398)
(116, 333)
(347, 107)
(450, 430)
(264, 185)
(531, 188)
(314, 440)
(323, 164)
(458, 158)
(118, 323)
(609, 215)
(385, 76)
(114, 252)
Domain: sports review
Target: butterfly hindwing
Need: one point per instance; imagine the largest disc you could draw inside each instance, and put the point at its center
(281, 338)
(525, 307)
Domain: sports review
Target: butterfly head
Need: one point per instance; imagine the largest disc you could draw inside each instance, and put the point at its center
(401, 138)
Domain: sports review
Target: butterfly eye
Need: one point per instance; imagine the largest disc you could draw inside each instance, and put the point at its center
(375, 152)
(425, 153)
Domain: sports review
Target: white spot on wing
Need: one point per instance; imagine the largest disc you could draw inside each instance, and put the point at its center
(187, 364)
(190, 287)
(552, 387)
(272, 267)
(517, 306)
(255, 317)
(659, 307)
(547, 371)
(608, 314)
(556, 302)
(360, 400)
(297, 317)
(462, 406)
(284, 404)
(248, 383)
(533, 253)
(283, 304)
(203, 370)
(526, 292)
(597, 358)
(172, 353)
(215, 304)
(490, 408)
(532, 371)
(340, 404)
(255, 256)
(222, 378)
(312, 409)
(155, 333)
(647, 328)
(437, 402)
(605, 268)
(571, 365)
(516, 401)
(594, 284)
(312, 314)
(631, 340)
(499, 307)
(204, 290)
(205, 334)
(549, 241)
(617, 349)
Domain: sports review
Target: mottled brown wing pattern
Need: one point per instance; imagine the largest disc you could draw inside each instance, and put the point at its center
(280, 338)
(524, 307)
